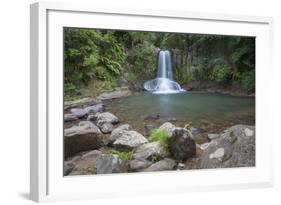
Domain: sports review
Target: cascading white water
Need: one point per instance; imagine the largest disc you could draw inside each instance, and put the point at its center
(164, 82)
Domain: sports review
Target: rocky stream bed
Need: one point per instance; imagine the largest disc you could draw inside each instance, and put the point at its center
(97, 142)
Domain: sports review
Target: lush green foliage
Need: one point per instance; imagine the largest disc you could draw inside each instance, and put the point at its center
(160, 135)
(248, 81)
(125, 156)
(91, 56)
(104, 59)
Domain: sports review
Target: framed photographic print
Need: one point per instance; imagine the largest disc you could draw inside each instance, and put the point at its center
(128, 101)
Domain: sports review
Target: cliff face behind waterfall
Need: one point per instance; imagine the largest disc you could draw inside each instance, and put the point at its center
(97, 61)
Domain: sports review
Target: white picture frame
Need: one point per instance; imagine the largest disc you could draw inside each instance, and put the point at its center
(46, 142)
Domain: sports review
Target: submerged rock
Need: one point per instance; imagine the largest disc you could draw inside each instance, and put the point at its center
(152, 117)
(165, 164)
(197, 130)
(129, 140)
(235, 147)
(181, 145)
(110, 163)
(151, 151)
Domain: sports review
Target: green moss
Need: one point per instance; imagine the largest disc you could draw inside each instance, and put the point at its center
(93, 170)
(160, 135)
(125, 156)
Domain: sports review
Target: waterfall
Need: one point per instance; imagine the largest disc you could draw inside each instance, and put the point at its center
(164, 82)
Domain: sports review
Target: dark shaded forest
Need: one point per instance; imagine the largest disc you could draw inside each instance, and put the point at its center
(97, 61)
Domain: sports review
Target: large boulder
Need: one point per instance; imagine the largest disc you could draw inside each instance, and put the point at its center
(85, 136)
(110, 163)
(235, 147)
(129, 140)
(152, 151)
(117, 132)
(106, 117)
(162, 165)
(181, 145)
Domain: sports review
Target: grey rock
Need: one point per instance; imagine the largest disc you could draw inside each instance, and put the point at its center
(84, 127)
(213, 136)
(248, 132)
(181, 145)
(92, 117)
(79, 102)
(78, 113)
(180, 166)
(114, 94)
(110, 163)
(85, 136)
(138, 165)
(88, 160)
(70, 117)
(165, 164)
(67, 168)
(169, 127)
(129, 140)
(74, 159)
(106, 127)
(204, 146)
(107, 117)
(196, 130)
(218, 154)
(150, 151)
(117, 132)
(94, 108)
(152, 117)
(234, 148)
